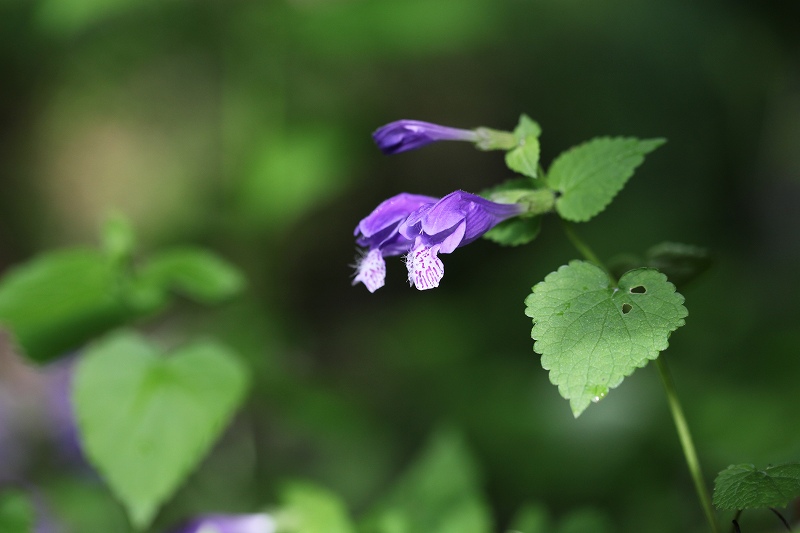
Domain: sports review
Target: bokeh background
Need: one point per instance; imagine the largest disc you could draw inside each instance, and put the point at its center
(245, 127)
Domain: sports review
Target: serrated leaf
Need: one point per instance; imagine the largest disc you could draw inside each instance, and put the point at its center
(309, 508)
(57, 301)
(439, 492)
(588, 176)
(591, 334)
(515, 231)
(194, 272)
(146, 420)
(16, 512)
(746, 487)
(525, 157)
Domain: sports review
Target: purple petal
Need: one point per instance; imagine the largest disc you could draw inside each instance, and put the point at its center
(245, 523)
(379, 228)
(404, 135)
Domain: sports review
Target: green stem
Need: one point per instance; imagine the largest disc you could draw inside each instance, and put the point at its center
(684, 435)
(687, 443)
(583, 248)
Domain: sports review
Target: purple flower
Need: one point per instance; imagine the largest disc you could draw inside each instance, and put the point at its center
(220, 523)
(423, 227)
(404, 135)
(379, 233)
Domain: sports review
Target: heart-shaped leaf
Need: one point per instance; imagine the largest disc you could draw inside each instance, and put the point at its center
(746, 487)
(592, 334)
(147, 419)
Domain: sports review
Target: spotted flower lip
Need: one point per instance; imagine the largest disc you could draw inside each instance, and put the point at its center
(404, 135)
(222, 523)
(423, 227)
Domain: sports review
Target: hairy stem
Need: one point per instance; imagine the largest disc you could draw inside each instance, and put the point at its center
(687, 443)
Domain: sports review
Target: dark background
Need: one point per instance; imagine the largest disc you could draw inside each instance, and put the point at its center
(245, 127)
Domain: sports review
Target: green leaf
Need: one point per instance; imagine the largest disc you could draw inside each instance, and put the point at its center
(515, 231)
(588, 176)
(745, 487)
(531, 519)
(525, 157)
(60, 300)
(309, 508)
(439, 492)
(16, 512)
(194, 272)
(146, 419)
(592, 334)
(119, 239)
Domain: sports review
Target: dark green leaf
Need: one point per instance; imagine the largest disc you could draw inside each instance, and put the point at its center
(515, 231)
(745, 487)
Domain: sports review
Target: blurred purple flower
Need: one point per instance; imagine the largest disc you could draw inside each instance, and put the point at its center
(378, 232)
(404, 135)
(62, 416)
(220, 523)
(423, 227)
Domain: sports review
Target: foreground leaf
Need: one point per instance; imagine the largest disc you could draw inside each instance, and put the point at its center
(745, 487)
(309, 508)
(591, 334)
(146, 420)
(439, 492)
(16, 512)
(60, 300)
(591, 174)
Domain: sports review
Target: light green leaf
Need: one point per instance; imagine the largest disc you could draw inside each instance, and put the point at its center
(591, 334)
(745, 487)
(588, 176)
(439, 492)
(309, 508)
(194, 272)
(58, 301)
(16, 512)
(525, 157)
(146, 419)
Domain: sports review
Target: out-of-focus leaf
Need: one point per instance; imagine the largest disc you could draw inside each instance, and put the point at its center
(439, 492)
(590, 175)
(585, 521)
(680, 262)
(746, 487)
(515, 231)
(531, 519)
(60, 300)
(194, 272)
(146, 419)
(309, 508)
(16, 512)
(591, 335)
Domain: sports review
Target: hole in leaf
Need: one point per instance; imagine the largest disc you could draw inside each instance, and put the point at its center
(626, 308)
(639, 289)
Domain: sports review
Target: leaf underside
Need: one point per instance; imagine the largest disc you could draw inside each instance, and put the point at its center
(746, 487)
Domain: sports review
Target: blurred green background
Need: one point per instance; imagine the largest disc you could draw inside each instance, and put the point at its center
(245, 127)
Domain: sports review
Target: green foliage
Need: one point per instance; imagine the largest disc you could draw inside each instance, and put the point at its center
(525, 157)
(746, 487)
(146, 419)
(439, 492)
(535, 519)
(309, 508)
(60, 300)
(16, 512)
(519, 230)
(681, 263)
(194, 272)
(591, 334)
(588, 176)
